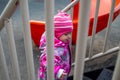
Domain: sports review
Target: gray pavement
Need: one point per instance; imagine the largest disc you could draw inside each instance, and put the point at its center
(36, 9)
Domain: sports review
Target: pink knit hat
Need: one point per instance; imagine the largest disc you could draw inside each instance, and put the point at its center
(62, 23)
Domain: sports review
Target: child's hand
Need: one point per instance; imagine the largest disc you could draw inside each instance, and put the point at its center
(64, 74)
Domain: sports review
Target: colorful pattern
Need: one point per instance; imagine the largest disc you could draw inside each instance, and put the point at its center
(62, 57)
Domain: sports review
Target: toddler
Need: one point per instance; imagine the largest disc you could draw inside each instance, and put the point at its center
(62, 56)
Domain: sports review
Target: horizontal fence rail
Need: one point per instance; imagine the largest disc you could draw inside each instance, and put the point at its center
(8, 11)
(70, 5)
(110, 51)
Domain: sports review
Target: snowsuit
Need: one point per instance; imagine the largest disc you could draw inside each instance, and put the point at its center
(62, 58)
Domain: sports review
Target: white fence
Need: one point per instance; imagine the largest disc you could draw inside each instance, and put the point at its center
(81, 38)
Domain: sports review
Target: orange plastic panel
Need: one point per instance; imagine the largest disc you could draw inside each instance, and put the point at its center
(104, 10)
(38, 27)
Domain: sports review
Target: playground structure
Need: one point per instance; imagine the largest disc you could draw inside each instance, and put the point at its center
(28, 46)
(38, 27)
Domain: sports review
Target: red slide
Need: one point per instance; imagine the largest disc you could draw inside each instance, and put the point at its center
(38, 27)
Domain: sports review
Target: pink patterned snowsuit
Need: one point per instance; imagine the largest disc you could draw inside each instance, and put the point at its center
(62, 58)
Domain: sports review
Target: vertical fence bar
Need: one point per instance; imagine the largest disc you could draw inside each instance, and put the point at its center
(109, 24)
(49, 12)
(27, 39)
(82, 38)
(2, 58)
(94, 28)
(116, 73)
(12, 47)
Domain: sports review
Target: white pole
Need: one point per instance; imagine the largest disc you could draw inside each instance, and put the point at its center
(82, 38)
(109, 24)
(27, 39)
(94, 29)
(70, 5)
(12, 47)
(116, 73)
(49, 10)
(8, 11)
(4, 65)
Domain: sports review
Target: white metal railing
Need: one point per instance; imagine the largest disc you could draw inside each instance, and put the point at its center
(81, 38)
(109, 24)
(116, 72)
(3, 61)
(70, 5)
(49, 10)
(8, 11)
(84, 11)
(94, 28)
(12, 49)
(112, 50)
(27, 39)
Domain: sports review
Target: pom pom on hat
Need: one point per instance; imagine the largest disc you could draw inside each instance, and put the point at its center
(62, 23)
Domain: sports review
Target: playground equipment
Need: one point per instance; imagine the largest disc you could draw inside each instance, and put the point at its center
(38, 27)
(80, 53)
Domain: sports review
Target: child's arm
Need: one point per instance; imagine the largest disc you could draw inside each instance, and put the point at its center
(59, 72)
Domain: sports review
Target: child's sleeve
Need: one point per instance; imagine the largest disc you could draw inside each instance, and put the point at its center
(57, 67)
(59, 73)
